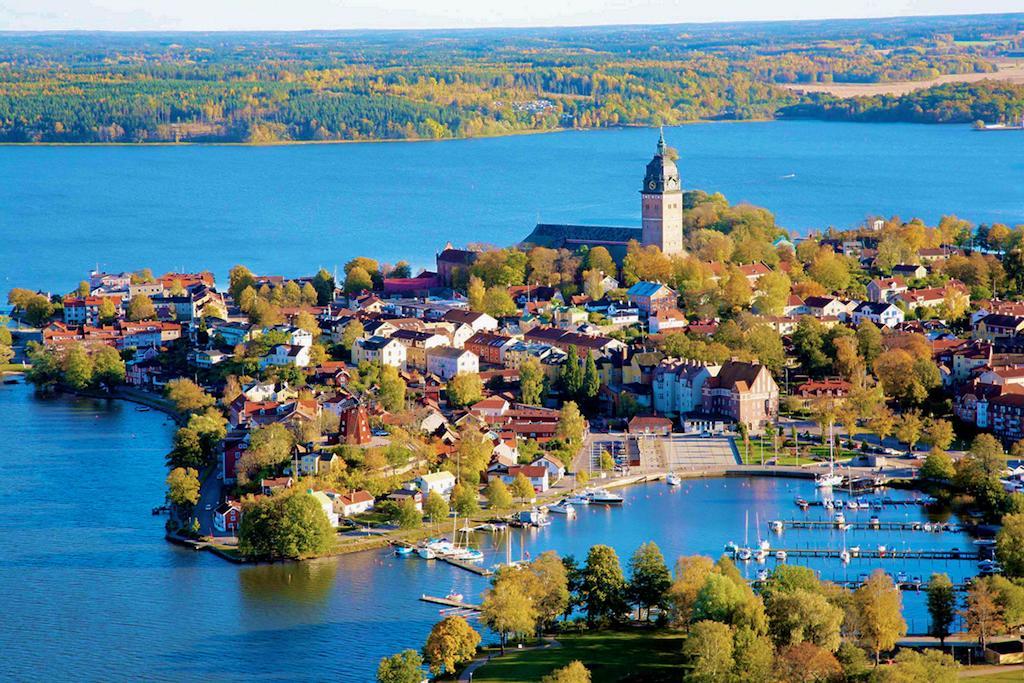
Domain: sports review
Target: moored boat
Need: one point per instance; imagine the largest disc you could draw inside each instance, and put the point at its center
(673, 479)
(603, 497)
(563, 507)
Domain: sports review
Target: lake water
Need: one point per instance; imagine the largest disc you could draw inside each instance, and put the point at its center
(290, 209)
(91, 591)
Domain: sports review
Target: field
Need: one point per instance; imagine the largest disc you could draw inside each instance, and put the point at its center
(629, 655)
(1010, 71)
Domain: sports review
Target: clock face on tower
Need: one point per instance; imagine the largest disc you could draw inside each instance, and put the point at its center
(652, 184)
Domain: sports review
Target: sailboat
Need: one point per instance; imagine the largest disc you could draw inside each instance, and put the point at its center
(833, 478)
(744, 553)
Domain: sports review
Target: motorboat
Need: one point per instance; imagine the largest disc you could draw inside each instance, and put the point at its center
(761, 555)
(901, 577)
(563, 508)
(732, 548)
(927, 526)
(454, 597)
(468, 555)
(426, 553)
(802, 503)
(844, 555)
(602, 497)
(874, 522)
(765, 545)
(881, 550)
(916, 583)
(578, 500)
(404, 550)
(839, 519)
(673, 479)
(762, 575)
(777, 526)
(744, 554)
(854, 551)
(780, 555)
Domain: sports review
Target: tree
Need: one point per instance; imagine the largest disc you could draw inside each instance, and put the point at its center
(357, 280)
(451, 642)
(808, 343)
(908, 429)
(475, 292)
(436, 507)
(801, 615)
(604, 586)
(938, 466)
(289, 525)
(107, 311)
(522, 488)
(464, 500)
(108, 366)
(465, 389)
(591, 380)
(709, 649)
(507, 609)
(498, 302)
(531, 381)
(1010, 545)
(323, 283)
(404, 667)
(187, 396)
(807, 663)
(869, 341)
(599, 259)
(571, 376)
(353, 331)
(187, 450)
(649, 579)
(980, 471)
(550, 593)
(409, 516)
(571, 424)
(183, 487)
(391, 389)
(982, 613)
(239, 278)
(574, 671)
(78, 367)
(691, 574)
(141, 308)
(878, 608)
(497, 495)
(719, 599)
(754, 656)
(941, 606)
(910, 666)
(606, 462)
(938, 433)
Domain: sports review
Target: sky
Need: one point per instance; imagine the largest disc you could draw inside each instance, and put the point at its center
(254, 15)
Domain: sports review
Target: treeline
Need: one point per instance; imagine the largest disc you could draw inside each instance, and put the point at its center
(406, 85)
(987, 101)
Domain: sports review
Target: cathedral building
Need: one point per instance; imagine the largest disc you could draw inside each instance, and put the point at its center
(661, 211)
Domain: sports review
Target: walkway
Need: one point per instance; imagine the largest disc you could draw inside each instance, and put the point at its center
(467, 673)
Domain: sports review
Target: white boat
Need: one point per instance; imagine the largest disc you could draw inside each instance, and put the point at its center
(744, 554)
(578, 500)
(832, 478)
(881, 550)
(762, 575)
(839, 519)
(602, 497)
(673, 480)
(766, 545)
(732, 548)
(901, 577)
(761, 555)
(426, 553)
(454, 597)
(844, 556)
(563, 508)
(777, 526)
(780, 555)
(855, 551)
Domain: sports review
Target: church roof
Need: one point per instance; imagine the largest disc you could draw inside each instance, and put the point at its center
(556, 236)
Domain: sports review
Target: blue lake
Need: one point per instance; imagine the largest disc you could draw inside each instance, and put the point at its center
(91, 591)
(289, 209)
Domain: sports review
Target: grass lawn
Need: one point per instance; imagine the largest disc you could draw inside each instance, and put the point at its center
(1001, 677)
(786, 457)
(611, 656)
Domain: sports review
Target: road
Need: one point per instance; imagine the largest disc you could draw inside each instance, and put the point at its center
(209, 495)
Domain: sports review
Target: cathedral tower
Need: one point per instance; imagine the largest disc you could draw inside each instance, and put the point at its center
(662, 203)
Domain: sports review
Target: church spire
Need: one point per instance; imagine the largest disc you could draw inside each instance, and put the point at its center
(661, 141)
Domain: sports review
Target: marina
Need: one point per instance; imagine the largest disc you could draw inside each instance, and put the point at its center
(874, 524)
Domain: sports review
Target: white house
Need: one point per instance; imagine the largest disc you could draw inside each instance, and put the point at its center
(381, 350)
(296, 335)
(668, 319)
(327, 505)
(353, 503)
(286, 354)
(554, 466)
(439, 482)
(537, 474)
(446, 362)
(879, 313)
(677, 385)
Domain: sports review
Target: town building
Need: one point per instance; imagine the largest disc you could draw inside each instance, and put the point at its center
(743, 392)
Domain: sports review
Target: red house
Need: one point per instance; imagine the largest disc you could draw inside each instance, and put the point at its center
(227, 516)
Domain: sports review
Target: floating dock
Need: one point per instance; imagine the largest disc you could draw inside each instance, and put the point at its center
(888, 553)
(448, 602)
(878, 525)
(883, 502)
(468, 566)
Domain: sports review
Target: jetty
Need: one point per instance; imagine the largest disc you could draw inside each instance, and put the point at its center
(448, 602)
(468, 566)
(884, 554)
(872, 525)
(878, 502)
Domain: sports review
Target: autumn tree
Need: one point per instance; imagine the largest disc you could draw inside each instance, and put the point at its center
(497, 494)
(464, 390)
(451, 642)
(522, 488)
(878, 606)
(709, 650)
(571, 424)
(938, 433)
(690, 575)
(141, 308)
(531, 381)
(573, 672)
(507, 608)
(183, 487)
(404, 667)
(1010, 545)
(187, 396)
(435, 507)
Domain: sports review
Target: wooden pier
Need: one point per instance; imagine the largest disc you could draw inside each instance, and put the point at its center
(902, 585)
(878, 525)
(468, 566)
(875, 504)
(887, 554)
(448, 602)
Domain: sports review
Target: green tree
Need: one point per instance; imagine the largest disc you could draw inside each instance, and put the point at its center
(108, 367)
(649, 579)
(599, 259)
(78, 367)
(869, 341)
(604, 586)
(938, 466)
(1010, 545)
(464, 390)
(404, 667)
(754, 656)
(709, 650)
(464, 500)
(522, 488)
(910, 666)
(800, 615)
(451, 642)
(941, 606)
(938, 433)
(498, 495)
(187, 450)
(436, 507)
(187, 396)
(550, 593)
(290, 525)
(591, 380)
(571, 424)
(323, 283)
(391, 389)
(409, 516)
(908, 428)
(476, 293)
(183, 487)
(141, 308)
(606, 462)
(107, 311)
(571, 375)
(531, 381)
(239, 278)
(878, 607)
(353, 331)
(498, 302)
(507, 609)
(357, 280)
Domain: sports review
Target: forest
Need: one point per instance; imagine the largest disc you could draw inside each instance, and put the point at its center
(322, 86)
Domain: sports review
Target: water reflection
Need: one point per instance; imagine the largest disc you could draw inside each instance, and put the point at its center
(299, 582)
